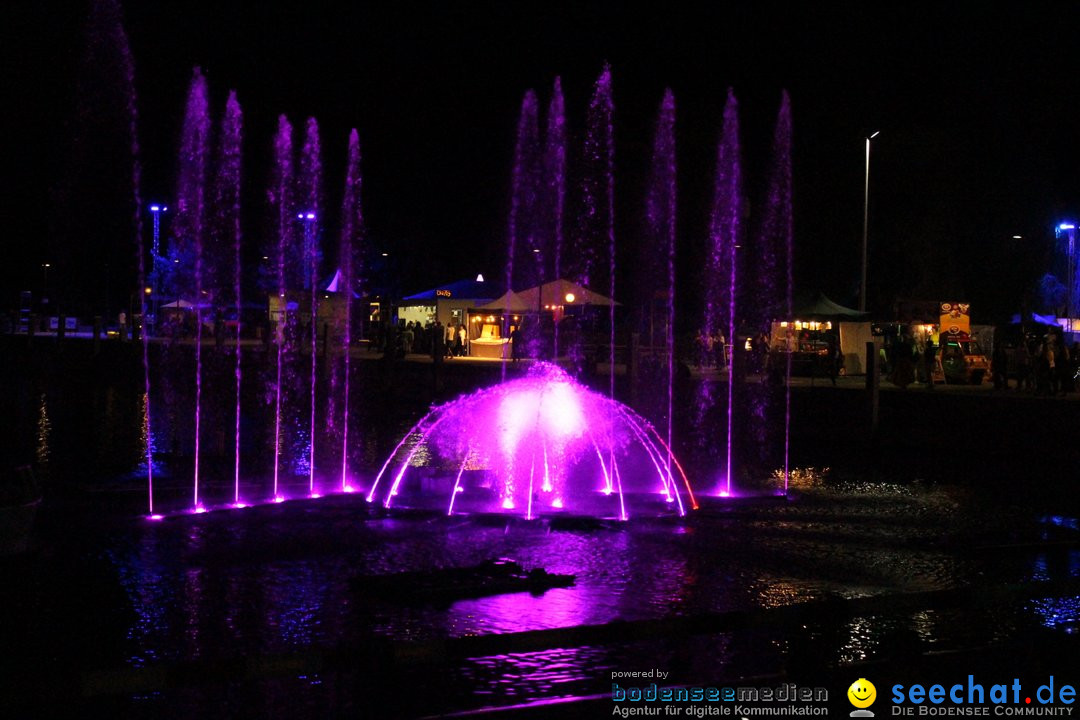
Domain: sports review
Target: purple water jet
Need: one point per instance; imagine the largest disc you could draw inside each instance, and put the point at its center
(772, 301)
(311, 188)
(281, 200)
(555, 186)
(521, 232)
(659, 260)
(721, 268)
(228, 201)
(352, 227)
(596, 218)
(538, 442)
(189, 226)
(106, 24)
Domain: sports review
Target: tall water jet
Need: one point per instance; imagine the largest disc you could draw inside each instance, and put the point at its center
(352, 228)
(555, 187)
(596, 220)
(721, 268)
(780, 228)
(281, 201)
(228, 203)
(110, 50)
(659, 263)
(521, 235)
(189, 226)
(310, 216)
(773, 299)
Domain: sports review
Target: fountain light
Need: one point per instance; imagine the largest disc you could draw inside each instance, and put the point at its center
(199, 510)
(315, 496)
(279, 499)
(349, 489)
(155, 517)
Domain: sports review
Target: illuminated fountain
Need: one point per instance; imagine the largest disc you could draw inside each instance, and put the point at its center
(536, 445)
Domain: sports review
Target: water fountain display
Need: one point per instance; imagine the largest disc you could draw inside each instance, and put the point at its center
(304, 380)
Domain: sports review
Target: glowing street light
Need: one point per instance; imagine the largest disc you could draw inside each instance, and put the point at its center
(865, 221)
(1069, 230)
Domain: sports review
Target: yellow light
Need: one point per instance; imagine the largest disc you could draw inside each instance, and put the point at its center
(146, 290)
(783, 323)
(570, 297)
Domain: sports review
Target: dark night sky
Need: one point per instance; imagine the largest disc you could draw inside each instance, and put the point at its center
(977, 110)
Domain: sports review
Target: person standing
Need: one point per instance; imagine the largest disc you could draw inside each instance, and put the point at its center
(462, 341)
(929, 355)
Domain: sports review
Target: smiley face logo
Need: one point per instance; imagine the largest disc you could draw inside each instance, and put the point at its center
(862, 693)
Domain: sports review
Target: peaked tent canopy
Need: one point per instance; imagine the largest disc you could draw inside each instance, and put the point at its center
(826, 308)
(468, 288)
(556, 291)
(336, 284)
(511, 301)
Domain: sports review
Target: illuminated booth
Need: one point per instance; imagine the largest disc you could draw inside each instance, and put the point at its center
(447, 304)
(807, 334)
(492, 324)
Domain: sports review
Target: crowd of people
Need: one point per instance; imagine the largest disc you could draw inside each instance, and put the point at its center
(1041, 366)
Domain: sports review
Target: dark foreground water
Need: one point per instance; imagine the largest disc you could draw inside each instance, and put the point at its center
(908, 561)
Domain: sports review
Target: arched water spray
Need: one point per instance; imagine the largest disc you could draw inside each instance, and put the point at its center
(541, 441)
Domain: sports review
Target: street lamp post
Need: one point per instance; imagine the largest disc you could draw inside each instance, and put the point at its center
(1069, 230)
(865, 222)
(155, 258)
(45, 284)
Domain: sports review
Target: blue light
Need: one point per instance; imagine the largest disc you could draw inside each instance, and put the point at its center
(155, 208)
(1066, 226)
(311, 216)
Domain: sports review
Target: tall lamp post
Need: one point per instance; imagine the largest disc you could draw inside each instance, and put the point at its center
(865, 221)
(155, 259)
(1069, 230)
(45, 284)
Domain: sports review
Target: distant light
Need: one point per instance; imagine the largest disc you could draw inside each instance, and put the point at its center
(536, 250)
(386, 254)
(155, 208)
(310, 216)
(876, 133)
(266, 257)
(176, 261)
(480, 278)
(299, 216)
(1018, 237)
(570, 297)
(47, 265)
(147, 290)
(1066, 226)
